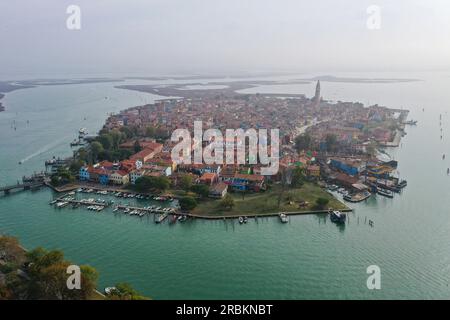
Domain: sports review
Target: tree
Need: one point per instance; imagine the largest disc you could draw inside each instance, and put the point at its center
(186, 182)
(298, 177)
(331, 141)
(227, 202)
(321, 203)
(10, 250)
(146, 183)
(286, 181)
(47, 271)
(161, 183)
(106, 140)
(187, 203)
(303, 142)
(123, 291)
(117, 138)
(96, 148)
(371, 149)
(75, 166)
(201, 189)
(137, 146)
(82, 154)
(150, 132)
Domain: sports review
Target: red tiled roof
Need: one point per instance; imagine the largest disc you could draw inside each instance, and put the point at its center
(251, 177)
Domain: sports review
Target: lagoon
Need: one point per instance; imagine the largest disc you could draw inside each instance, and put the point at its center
(308, 258)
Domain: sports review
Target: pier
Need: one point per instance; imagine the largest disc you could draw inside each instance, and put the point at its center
(21, 186)
(261, 215)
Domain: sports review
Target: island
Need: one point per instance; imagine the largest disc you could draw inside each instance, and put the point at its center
(330, 155)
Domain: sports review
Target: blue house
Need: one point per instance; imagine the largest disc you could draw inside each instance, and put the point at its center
(103, 178)
(347, 167)
(84, 174)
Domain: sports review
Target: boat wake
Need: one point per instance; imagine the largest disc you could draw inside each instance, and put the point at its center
(44, 149)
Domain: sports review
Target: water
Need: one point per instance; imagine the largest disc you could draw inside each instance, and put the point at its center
(306, 259)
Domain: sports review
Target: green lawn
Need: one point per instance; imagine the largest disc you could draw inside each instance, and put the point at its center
(267, 202)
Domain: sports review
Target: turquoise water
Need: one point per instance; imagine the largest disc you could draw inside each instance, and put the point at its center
(307, 258)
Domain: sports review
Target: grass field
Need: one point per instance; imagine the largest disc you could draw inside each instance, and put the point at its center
(267, 202)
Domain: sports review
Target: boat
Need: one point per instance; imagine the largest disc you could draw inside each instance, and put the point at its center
(337, 216)
(62, 204)
(182, 218)
(173, 219)
(109, 290)
(76, 143)
(357, 197)
(284, 218)
(333, 187)
(161, 217)
(241, 220)
(385, 193)
(82, 133)
(411, 122)
(402, 184)
(50, 162)
(245, 219)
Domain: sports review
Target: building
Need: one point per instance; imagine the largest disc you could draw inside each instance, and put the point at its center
(143, 155)
(209, 178)
(136, 174)
(247, 182)
(83, 174)
(313, 171)
(119, 177)
(349, 166)
(144, 144)
(103, 177)
(219, 190)
(317, 97)
(164, 170)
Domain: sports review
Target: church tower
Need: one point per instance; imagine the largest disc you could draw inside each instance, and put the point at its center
(317, 97)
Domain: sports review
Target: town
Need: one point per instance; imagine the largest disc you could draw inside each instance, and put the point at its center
(327, 150)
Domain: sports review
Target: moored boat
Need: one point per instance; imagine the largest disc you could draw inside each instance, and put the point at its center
(173, 219)
(161, 217)
(357, 197)
(385, 193)
(337, 216)
(283, 218)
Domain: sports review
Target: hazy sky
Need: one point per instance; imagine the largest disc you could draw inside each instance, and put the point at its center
(199, 36)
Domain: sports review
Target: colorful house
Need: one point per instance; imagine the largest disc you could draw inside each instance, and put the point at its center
(209, 178)
(313, 171)
(348, 166)
(247, 182)
(119, 177)
(83, 174)
(219, 190)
